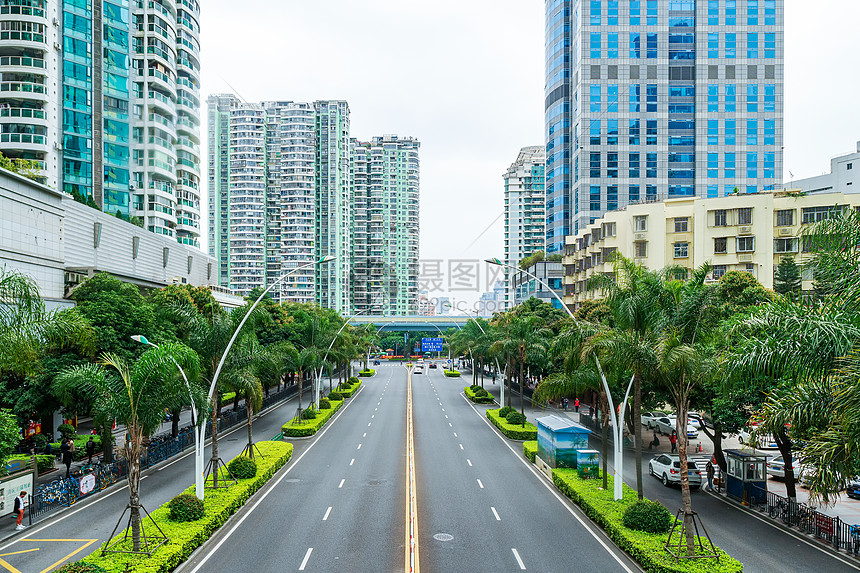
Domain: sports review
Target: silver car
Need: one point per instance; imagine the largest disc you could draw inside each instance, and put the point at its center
(666, 425)
(667, 468)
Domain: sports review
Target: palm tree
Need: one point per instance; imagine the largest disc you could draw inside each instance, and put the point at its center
(138, 398)
(528, 337)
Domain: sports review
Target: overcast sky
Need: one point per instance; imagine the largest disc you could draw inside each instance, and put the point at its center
(466, 78)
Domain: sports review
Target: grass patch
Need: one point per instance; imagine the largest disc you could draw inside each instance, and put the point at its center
(368, 372)
(185, 537)
(80, 445)
(298, 429)
(646, 548)
(530, 450)
(477, 399)
(347, 393)
(512, 431)
(452, 373)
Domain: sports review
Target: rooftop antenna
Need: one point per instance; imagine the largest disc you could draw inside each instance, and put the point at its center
(234, 90)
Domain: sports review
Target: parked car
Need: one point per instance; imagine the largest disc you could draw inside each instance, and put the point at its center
(648, 418)
(666, 425)
(418, 370)
(853, 488)
(776, 468)
(433, 366)
(667, 468)
(376, 362)
(762, 441)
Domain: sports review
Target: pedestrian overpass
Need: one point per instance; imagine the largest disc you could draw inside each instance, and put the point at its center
(411, 323)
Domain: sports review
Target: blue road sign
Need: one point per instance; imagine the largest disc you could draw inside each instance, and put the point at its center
(431, 345)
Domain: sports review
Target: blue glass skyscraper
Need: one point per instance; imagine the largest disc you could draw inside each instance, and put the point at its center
(649, 100)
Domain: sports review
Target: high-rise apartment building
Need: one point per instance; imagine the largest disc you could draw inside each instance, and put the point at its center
(525, 211)
(287, 186)
(650, 100)
(104, 95)
(385, 242)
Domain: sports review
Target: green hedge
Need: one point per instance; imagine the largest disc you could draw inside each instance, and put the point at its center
(294, 429)
(186, 537)
(512, 431)
(368, 372)
(477, 400)
(646, 548)
(452, 373)
(80, 445)
(347, 393)
(43, 462)
(530, 450)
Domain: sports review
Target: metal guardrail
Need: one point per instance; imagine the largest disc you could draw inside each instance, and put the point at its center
(64, 492)
(832, 530)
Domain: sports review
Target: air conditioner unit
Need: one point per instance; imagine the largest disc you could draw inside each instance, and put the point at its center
(55, 22)
(786, 232)
(745, 258)
(745, 230)
(640, 236)
(58, 46)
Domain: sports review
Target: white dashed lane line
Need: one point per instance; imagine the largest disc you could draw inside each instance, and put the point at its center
(305, 560)
(496, 513)
(519, 560)
(327, 512)
(480, 484)
(341, 483)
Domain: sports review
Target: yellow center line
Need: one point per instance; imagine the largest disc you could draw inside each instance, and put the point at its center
(411, 490)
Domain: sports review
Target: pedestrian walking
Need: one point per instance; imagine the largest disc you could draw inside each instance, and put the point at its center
(710, 471)
(673, 439)
(91, 449)
(19, 510)
(576, 404)
(565, 404)
(65, 451)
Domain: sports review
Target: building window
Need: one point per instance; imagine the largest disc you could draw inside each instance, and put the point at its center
(640, 249)
(718, 272)
(681, 250)
(816, 214)
(640, 223)
(720, 218)
(745, 216)
(745, 244)
(681, 224)
(785, 245)
(849, 166)
(720, 245)
(785, 218)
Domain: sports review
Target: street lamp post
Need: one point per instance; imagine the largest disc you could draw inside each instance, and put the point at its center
(198, 432)
(318, 384)
(617, 421)
(498, 370)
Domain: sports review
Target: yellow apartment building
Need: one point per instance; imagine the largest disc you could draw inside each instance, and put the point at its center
(748, 233)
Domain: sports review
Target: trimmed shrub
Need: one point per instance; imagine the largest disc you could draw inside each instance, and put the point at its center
(44, 462)
(186, 507)
(353, 380)
(452, 373)
(479, 396)
(298, 429)
(514, 418)
(324, 404)
(335, 396)
(368, 372)
(242, 467)
(530, 449)
(80, 445)
(474, 387)
(80, 568)
(480, 392)
(512, 431)
(309, 414)
(503, 413)
(648, 516)
(67, 431)
(348, 392)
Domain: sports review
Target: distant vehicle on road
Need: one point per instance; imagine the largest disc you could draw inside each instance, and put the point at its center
(648, 418)
(376, 362)
(776, 468)
(762, 441)
(667, 468)
(433, 366)
(418, 370)
(853, 489)
(666, 424)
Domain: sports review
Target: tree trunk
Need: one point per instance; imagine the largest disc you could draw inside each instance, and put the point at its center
(522, 392)
(236, 398)
(508, 376)
(301, 388)
(717, 439)
(686, 500)
(107, 443)
(783, 442)
(637, 432)
(174, 418)
(250, 433)
(214, 420)
(133, 457)
(481, 366)
(604, 429)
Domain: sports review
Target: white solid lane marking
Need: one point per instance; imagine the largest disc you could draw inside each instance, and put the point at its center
(469, 462)
(461, 446)
(328, 511)
(352, 461)
(496, 513)
(341, 483)
(305, 560)
(481, 485)
(519, 561)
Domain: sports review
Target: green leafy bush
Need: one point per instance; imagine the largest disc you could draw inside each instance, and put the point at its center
(452, 373)
(186, 507)
(80, 445)
(479, 396)
(512, 431)
(80, 568)
(646, 548)
(515, 418)
(503, 412)
(368, 372)
(348, 392)
(242, 467)
(297, 429)
(648, 516)
(324, 404)
(220, 504)
(335, 396)
(474, 387)
(354, 380)
(309, 414)
(344, 385)
(67, 430)
(43, 462)
(530, 449)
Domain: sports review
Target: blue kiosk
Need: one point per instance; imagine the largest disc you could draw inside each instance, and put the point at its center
(562, 442)
(746, 476)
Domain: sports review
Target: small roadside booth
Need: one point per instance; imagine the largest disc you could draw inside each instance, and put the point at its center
(746, 476)
(559, 440)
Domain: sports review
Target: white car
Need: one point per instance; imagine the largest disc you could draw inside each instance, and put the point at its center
(693, 418)
(418, 370)
(666, 425)
(762, 441)
(776, 468)
(667, 468)
(648, 418)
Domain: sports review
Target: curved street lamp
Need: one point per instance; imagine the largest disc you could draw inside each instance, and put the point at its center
(318, 382)
(616, 420)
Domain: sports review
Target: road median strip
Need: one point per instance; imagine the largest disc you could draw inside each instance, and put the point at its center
(303, 428)
(512, 431)
(478, 395)
(187, 536)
